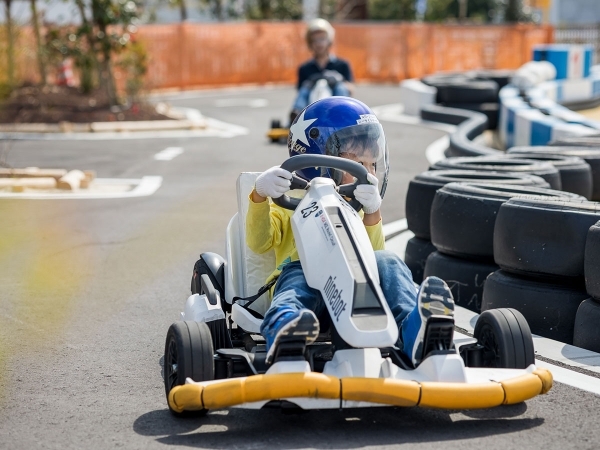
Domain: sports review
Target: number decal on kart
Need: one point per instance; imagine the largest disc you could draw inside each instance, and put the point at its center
(306, 212)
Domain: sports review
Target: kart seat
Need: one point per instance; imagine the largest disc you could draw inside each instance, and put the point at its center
(246, 271)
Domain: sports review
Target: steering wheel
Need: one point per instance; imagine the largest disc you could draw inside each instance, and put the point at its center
(304, 161)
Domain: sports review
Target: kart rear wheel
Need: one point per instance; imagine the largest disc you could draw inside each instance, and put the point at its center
(506, 339)
(188, 354)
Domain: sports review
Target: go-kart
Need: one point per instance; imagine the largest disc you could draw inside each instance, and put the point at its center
(321, 87)
(215, 356)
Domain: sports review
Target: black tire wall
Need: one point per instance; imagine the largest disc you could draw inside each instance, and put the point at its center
(550, 309)
(422, 189)
(464, 278)
(544, 238)
(463, 216)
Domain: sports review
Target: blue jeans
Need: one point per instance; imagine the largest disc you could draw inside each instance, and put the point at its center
(301, 101)
(292, 293)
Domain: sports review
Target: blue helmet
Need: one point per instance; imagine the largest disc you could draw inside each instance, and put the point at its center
(340, 126)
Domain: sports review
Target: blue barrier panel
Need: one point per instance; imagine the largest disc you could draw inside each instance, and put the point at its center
(571, 61)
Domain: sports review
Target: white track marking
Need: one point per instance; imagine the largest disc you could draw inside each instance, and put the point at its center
(168, 153)
(571, 378)
(394, 113)
(250, 102)
(142, 188)
(435, 151)
(398, 243)
(394, 227)
(214, 128)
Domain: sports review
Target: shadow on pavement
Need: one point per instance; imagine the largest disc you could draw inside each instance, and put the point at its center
(237, 428)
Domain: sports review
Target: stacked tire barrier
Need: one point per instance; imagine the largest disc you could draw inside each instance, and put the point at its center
(419, 199)
(588, 315)
(582, 180)
(462, 223)
(540, 247)
(474, 91)
(501, 248)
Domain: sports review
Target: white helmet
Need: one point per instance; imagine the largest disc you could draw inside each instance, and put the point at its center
(319, 25)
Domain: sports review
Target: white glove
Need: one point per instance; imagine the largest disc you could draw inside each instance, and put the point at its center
(273, 182)
(368, 195)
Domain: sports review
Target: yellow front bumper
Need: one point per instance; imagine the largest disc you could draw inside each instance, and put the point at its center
(278, 133)
(237, 391)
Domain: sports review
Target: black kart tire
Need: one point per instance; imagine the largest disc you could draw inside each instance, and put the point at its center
(575, 173)
(491, 110)
(463, 216)
(502, 164)
(505, 335)
(591, 262)
(468, 91)
(550, 309)
(464, 278)
(590, 155)
(587, 332)
(188, 354)
(415, 256)
(422, 189)
(544, 238)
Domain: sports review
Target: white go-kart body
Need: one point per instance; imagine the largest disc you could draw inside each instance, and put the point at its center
(337, 259)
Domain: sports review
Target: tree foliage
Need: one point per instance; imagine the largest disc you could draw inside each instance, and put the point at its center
(93, 45)
(273, 9)
(392, 10)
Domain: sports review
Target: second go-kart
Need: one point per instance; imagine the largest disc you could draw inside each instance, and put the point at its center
(322, 86)
(215, 357)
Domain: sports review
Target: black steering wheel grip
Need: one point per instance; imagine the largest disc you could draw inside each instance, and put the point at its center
(304, 161)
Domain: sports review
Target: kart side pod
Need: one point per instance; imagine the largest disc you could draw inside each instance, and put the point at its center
(257, 388)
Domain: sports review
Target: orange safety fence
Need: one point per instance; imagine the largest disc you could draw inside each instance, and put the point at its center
(193, 55)
(265, 52)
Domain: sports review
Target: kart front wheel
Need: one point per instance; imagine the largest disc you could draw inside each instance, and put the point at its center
(506, 339)
(188, 354)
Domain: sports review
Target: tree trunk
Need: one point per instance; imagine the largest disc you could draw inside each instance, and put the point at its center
(183, 10)
(219, 10)
(107, 81)
(513, 11)
(87, 64)
(462, 10)
(265, 9)
(38, 40)
(10, 48)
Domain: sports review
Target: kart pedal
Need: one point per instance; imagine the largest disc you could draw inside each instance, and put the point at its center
(291, 340)
(290, 351)
(439, 334)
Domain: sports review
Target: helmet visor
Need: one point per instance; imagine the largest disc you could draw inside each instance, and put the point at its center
(364, 143)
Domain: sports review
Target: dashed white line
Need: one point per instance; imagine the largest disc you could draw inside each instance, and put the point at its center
(168, 153)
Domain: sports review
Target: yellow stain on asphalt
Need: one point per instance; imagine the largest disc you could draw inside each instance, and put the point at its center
(39, 280)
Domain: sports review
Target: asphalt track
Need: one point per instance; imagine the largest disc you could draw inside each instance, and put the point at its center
(90, 287)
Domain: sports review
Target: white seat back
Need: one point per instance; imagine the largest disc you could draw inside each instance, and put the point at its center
(246, 271)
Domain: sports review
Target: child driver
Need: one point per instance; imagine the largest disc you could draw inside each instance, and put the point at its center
(347, 128)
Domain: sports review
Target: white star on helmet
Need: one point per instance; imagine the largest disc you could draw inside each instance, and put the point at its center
(298, 130)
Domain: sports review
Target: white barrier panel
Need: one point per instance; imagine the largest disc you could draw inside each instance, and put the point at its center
(415, 94)
(540, 119)
(571, 61)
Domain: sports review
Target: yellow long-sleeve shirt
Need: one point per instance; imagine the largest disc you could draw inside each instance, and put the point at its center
(268, 227)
